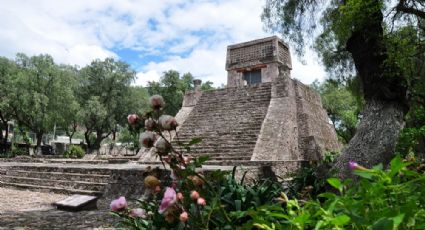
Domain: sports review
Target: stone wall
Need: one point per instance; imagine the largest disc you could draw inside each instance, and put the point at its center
(278, 138)
(267, 54)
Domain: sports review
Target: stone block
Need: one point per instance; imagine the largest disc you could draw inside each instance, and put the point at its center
(77, 203)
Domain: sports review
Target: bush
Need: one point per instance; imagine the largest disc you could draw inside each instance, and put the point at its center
(74, 151)
(380, 199)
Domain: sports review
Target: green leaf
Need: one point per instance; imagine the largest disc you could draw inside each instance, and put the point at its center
(336, 183)
(383, 224)
(238, 205)
(341, 220)
(398, 219)
(378, 167)
(327, 195)
(396, 165)
(364, 174)
(194, 141)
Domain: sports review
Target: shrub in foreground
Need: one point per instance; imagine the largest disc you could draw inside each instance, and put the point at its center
(379, 199)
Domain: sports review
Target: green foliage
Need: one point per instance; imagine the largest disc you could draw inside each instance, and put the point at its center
(105, 95)
(172, 88)
(412, 138)
(379, 199)
(40, 90)
(130, 139)
(74, 151)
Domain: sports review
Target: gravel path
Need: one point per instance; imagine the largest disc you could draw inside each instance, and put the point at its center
(21, 209)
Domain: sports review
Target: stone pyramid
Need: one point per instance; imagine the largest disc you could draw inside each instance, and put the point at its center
(261, 116)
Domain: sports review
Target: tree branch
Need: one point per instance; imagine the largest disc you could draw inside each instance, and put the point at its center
(402, 7)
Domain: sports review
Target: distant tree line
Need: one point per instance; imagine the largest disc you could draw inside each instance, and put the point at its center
(41, 95)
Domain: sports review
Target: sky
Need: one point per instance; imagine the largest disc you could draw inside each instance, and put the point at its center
(151, 36)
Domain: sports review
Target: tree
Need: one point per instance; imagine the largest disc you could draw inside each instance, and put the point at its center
(172, 88)
(41, 93)
(208, 85)
(69, 118)
(103, 94)
(354, 35)
(7, 71)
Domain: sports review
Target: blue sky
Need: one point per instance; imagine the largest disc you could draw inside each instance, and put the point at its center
(152, 36)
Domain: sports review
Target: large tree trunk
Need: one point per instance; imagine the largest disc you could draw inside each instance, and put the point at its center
(89, 144)
(384, 94)
(39, 137)
(376, 136)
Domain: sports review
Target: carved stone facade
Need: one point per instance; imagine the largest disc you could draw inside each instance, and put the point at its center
(270, 56)
(263, 117)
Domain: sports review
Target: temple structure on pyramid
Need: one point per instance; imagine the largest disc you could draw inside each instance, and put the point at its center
(261, 116)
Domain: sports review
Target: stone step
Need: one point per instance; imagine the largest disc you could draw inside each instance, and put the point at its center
(228, 121)
(66, 184)
(51, 189)
(77, 161)
(41, 168)
(228, 162)
(97, 178)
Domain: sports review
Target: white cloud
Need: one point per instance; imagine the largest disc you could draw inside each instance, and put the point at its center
(188, 36)
(144, 78)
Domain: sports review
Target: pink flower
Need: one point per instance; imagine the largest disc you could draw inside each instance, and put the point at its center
(201, 201)
(184, 217)
(194, 195)
(118, 204)
(187, 160)
(138, 212)
(150, 124)
(132, 119)
(156, 101)
(163, 147)
(180, 196)
(168, 200)
(147, 139)
(352, 165)
(167, 122)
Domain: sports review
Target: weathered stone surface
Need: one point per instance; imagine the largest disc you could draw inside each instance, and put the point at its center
(268, 54)
(279, 119)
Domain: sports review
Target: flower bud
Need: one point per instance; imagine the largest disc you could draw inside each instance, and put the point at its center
(151, 182)
(167, 122)
(194, 195)
(156, 101)
(150, 124)
(354, 166)
(132, 119)
(180, 196)
(201, 201)
(147, 139)
(118, 204)
(157, 189)
(184, 217)
(163, 147)
(138, 212)
(196, 180)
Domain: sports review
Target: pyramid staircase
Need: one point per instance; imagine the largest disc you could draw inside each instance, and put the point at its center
(228, 121)
(68, 180)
